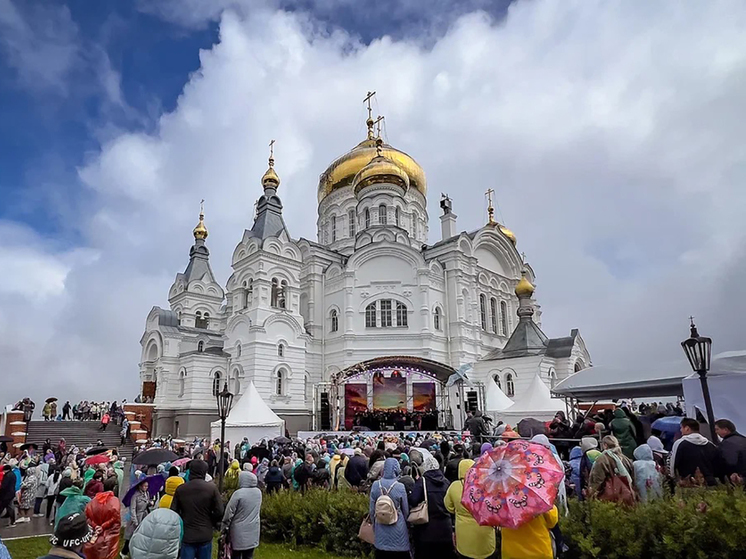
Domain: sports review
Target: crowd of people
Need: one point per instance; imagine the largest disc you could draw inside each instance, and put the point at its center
(84, 410)
(402, 474)
(399, 420)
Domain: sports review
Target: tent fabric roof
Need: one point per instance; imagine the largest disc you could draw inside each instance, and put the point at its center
(537, 398)
(496, 400)
(251, 411)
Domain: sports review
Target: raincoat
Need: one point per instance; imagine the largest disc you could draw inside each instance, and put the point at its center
(625, 432)
(75, 502)
(171, 484)
(241, 517)
(104, 511)
(231, 477)
(158, 537)
(396, 536)
(138, 511)
(472, 540)
(531, 540)
(647, 477)
(576, 455)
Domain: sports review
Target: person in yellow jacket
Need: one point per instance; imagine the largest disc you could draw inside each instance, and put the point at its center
(531, 540)
(472, 540)
(171, 484)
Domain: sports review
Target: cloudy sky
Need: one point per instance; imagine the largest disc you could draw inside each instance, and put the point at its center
(611, 131)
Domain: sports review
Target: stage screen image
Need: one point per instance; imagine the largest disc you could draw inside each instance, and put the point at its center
(356, 400)
(424, 396)
(389, 393)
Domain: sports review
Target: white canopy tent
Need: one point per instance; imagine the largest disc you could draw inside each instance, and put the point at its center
(536, 402)
(495, 399)
(727, 383)
(250, 417)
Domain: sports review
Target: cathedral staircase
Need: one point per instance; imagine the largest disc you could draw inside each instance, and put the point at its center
(78, 433)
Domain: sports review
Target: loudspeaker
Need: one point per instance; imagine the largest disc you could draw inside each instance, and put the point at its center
(325, 423)
(471, 402)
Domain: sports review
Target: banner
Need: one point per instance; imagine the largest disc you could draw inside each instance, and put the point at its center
(424, 396)
(356, 400)
(389, 393)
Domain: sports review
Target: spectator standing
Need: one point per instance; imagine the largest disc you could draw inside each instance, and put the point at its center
(7, 493)
(139, 509)
(472, 540)
(531, 540)
(435, 538)
(70, 535)
(624, 431)
(200, 506)
(647, 477)
(391, 541)
(357, 469)
(611, 464)
(159, 536)
(242, 518)
(693, 453)
(66, 411)
(732, 449)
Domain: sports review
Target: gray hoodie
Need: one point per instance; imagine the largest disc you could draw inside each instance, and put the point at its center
(242, 513)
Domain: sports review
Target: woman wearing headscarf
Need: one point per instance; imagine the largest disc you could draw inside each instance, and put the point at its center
(29, 485)
(261, 472)
(562, 493)
(231, 477)
(242, 516)
(391, 541)
(41, 490)
(472, 540)
(433, 539)
(610, 464)
(647, 476)
(624, 431)
(589, 447)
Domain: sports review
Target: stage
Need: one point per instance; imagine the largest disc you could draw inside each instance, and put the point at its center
(303, 435)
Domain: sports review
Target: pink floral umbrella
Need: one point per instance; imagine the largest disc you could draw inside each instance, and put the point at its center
(512, 484)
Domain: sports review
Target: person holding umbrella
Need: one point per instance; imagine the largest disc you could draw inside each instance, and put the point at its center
(138, 500)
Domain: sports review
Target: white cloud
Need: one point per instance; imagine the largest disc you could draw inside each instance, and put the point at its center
(611, 132)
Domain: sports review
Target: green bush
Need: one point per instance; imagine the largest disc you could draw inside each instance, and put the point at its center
(692, 524)
(327, 519)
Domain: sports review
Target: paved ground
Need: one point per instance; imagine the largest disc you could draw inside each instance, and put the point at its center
(37, 527)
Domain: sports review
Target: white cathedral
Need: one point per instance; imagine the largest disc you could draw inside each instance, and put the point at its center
(297, 316)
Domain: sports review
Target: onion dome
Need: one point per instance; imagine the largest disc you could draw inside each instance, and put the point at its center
(270, 178)
(200, 232)
(524, 289)
(508, 233)
(380, 169)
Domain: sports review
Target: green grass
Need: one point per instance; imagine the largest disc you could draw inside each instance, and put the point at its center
(31, 548)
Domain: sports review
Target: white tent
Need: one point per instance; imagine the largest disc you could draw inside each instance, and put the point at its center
(496, 400)
(250, 417)
(727, 383)
(536, 402)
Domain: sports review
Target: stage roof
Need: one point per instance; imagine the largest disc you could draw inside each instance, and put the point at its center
(440, 371)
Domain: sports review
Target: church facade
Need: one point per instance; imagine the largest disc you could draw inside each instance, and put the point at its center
(296, 313)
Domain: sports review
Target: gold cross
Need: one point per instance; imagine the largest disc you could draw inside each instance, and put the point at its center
(490, 209)
(367, 100)
(377, 122)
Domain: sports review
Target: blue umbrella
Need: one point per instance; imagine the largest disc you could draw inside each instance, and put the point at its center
(155, 484)
(669, 424)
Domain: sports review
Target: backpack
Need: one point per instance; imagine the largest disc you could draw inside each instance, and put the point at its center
(385, 509)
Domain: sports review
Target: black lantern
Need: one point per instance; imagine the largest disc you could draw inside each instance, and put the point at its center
(225, 402)
(698, 350)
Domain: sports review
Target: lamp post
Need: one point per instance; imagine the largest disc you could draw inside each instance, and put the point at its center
(698, 350)
(225, 401)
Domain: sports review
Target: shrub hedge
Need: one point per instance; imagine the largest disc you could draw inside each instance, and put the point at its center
(692, 524)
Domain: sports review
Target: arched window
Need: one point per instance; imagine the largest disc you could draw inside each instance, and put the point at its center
(334, 319)
(351, 222)
(280, 386)
(578, 366)
(249, 293)
(503, 318)
(509, 385)
(367, 218)
(280, 350)
(201, 347)
(496, 378)
(396, 217)
(216, 383)
(334, 228)
(493, 314)
(236, 383)
(305, 387)
(483, 310)
(178, 318)
(283, 295)
(370, 316)
(552, 374)
(275, 294)
(182, 382)
(386, 313)
(201, 320)
(238, 349)
(382, 219)
(437, 319)
(401, 314)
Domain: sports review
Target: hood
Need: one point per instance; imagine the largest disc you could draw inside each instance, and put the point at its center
(655, 444)
(197, 469)
(247, 480)
(643, 452)
(463, 467)
(172, 484)
(158, 536)
(588, 443)
(695, 438)
(619, 414)
(437, 478)
(72, 491)
(391, 468)
(486, 447)
(576, 453)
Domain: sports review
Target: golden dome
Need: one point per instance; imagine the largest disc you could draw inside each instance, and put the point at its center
(270, 178)
(200, 232)
(508, 233)
(380, 169)
(524, 287)
(343, 170)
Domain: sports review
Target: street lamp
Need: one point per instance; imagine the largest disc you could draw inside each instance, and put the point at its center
(225, 401)
(698, 350)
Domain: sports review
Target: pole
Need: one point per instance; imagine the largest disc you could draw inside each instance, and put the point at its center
(221, 461)
(708, 405)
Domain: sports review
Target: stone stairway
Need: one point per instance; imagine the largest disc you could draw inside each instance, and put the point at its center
(78, 433)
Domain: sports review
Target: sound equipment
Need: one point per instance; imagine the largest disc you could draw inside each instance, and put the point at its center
(325, 422)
